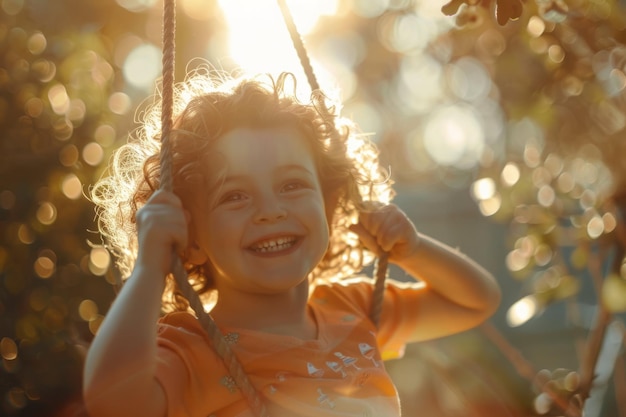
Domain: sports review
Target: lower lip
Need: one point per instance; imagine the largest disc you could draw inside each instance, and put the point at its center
(275, 254)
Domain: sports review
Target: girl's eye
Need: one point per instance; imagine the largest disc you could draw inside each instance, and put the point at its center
(231, 197)
(293, 186)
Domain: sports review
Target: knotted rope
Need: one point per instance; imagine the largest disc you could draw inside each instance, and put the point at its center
(380, 270)
(220, 345)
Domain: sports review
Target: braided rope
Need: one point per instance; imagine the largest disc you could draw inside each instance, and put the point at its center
(381, 267)
(380, 274)
(298, 45)
(220, 345)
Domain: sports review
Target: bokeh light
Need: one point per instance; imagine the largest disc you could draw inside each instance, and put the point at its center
(94, 324)
(37, 43)
(510, 174)
(419, 83)
(142, 66)
(468, 79)
(44, 70)
(136, 5)
(44, 267)
(614, 293)
(71, 187)
(16, 398)
(99, 260)
(25, 234)
(453, 136)
(516, 260)
(490, 206)
(68, 156)
(12, 7)
(59, 100)
(46, 213)
(542, 403)
(93, 153)
(76, 111)
(120, 103)
(88, 310)
(105, 135)
(63, 128)
(407, 33)
(196, 9)
(483, 188)
(8, 349)
(522, 311)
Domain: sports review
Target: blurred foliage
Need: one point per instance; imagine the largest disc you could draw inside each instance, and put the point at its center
(551, 113)
(55, 82)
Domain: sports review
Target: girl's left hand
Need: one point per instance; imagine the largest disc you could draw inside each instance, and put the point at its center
(387, 229)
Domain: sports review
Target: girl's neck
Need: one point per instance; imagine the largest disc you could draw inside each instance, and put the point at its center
(284, 313)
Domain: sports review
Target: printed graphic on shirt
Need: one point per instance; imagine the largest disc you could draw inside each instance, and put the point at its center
(313, 371)
(336, 367)
(324, 399)
(348, 361)
(348, 318)
(368, 352)
(230, 384)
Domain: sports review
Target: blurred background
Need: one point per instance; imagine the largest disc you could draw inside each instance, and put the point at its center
(503, 123)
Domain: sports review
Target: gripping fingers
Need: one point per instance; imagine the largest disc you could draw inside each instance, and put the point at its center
(163, 222)
(387, 229)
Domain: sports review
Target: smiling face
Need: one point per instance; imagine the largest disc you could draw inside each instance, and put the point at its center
(262, 226)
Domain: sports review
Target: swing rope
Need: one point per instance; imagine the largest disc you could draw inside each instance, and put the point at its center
(381, 267)
(220, 345)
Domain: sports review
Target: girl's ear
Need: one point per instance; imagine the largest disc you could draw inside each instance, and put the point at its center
(194, 254)
(331, 199)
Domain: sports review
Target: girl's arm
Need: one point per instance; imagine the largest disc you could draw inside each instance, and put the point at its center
(456, 293)
(119, 374)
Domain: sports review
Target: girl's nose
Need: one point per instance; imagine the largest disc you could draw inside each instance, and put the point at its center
(269, 210)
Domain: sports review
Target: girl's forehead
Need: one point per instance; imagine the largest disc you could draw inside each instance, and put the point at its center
(252, 147)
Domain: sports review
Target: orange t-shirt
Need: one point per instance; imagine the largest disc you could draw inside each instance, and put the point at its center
(341, 373)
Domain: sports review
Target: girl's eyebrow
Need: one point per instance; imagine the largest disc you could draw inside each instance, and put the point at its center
(282, 169)
(295, 167)
(224, 180)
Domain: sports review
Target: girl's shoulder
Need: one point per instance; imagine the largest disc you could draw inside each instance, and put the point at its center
(354, 291)
(177, 317)
(180, 322)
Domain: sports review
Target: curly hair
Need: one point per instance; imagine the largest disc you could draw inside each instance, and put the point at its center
(209, 104)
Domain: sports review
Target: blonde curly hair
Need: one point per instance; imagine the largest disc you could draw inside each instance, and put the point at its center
(209, 104)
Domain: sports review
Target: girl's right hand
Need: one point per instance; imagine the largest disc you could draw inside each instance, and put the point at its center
(161, 231)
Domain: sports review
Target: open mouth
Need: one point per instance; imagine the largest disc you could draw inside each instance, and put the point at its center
(274, 245)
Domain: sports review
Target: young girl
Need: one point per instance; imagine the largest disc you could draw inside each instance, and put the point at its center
(271, 215)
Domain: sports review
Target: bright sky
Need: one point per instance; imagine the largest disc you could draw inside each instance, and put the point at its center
(258, 41)
(258, 37)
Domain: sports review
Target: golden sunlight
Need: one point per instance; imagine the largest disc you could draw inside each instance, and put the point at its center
(258, 40)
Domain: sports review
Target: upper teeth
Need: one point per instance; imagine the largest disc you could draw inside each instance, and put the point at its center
(274, 243)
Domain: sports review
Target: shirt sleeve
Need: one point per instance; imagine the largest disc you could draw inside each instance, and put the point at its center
(399, 319)
(188, 369)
